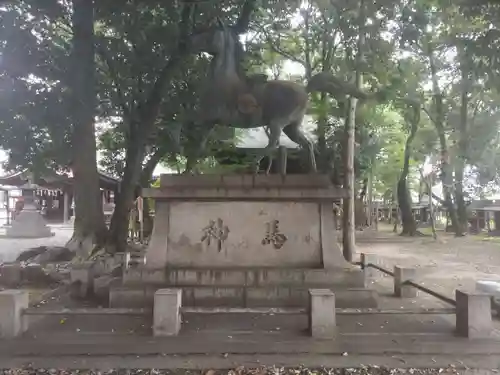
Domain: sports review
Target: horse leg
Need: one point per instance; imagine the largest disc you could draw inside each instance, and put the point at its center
(269, 165)
(296, 134)
(270, 159)
(274, 139)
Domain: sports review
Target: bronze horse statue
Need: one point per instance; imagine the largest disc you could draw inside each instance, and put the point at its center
(233, 99)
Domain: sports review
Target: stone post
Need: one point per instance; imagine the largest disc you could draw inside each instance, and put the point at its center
(401, 275)
(322, 319)
(11, 274)
(167, 312)
(473, 315)
(83, 275)
(493, 289)
(12, 304)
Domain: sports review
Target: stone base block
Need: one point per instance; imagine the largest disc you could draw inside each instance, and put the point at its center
(82, 276)
(12, 303)
(208, 296)
(101, 287)
(493, 289)
(10, 274)
(322, 319)
(252, 277)
(133, 297)
(167, 312)
(473, 315)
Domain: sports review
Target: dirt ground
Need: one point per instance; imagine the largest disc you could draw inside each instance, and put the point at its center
(443, 265)
(223, 341)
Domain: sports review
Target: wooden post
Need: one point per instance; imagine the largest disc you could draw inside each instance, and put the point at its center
(66, 207)
(282, 159)
(140, 211)
(7, 206)
(103, 198)
(369, 199)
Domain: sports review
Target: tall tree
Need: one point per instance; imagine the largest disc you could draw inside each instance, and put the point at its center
(89, 218)
(349, 203)
(412, 118)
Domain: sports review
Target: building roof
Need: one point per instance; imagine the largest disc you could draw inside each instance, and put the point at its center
(257, 138)
(485, 205)
(52, 180)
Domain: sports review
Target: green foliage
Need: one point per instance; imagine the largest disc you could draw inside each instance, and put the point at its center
(33, 107)
(135, 38)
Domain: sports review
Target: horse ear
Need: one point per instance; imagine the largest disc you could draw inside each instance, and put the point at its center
(247, 104)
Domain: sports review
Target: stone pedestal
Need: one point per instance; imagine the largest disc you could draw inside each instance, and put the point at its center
(29, 223)
(245, 221)
(245, 240)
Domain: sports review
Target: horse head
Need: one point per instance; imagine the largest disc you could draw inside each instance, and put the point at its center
(226, 75)
(217, 40)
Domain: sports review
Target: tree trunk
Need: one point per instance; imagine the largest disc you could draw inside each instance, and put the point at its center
(429, 183)
(146, 177)
(140, 129)
(133, 176)
(349, 230)
(462, 150)
(323, 165)
(89, 229)
(404, 198)
(446, 175)
(124, 202)
(369, 203)
(407, 220)
(420, 190)
(364, 188)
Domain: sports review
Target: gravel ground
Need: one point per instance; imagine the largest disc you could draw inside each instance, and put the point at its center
(243, 371)
(444, 265)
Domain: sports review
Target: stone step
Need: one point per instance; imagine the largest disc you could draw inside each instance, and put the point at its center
(250, 277)
(241, 296)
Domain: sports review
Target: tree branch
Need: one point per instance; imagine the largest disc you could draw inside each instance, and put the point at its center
(101, 51)
(429, 114)
(243, 22)
(283, 53)
(151, 164)
(148, 111)
(440, 200)
(327, 82)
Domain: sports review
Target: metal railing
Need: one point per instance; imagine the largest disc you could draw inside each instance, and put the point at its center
(420, 287)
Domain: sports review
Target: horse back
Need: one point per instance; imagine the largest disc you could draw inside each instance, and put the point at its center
(282, 100)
